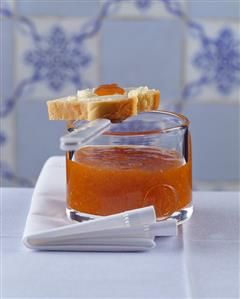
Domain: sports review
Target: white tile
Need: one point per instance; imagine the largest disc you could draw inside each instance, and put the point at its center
(57, 56)
(213, 269)
(211, 211)
(220, 65)
(211, 245)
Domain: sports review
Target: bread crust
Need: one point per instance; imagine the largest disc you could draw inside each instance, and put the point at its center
(114, 109)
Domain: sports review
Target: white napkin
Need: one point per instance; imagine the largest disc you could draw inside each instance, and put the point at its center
(48, 227)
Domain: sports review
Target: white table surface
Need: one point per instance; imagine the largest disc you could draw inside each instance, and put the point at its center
(202, 262)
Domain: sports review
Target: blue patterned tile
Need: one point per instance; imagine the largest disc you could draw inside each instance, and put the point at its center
(7, 125)
(54, 61)
(58, 8)
(38, 137)
(52, 57)
(216, 141)
(213, 62)
(143, 53)
(8, 143)
(214, 9)
(146, 8)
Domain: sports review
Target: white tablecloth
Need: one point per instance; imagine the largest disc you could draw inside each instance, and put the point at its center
(202, 262)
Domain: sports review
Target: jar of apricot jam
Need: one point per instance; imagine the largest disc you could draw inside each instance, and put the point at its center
(145, 160)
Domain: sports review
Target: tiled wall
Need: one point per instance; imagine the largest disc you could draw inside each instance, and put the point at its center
(188, 49)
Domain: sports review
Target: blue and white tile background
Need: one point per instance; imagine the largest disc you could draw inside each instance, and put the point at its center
(188, 49)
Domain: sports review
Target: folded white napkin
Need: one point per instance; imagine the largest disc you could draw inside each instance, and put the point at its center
(48, 227)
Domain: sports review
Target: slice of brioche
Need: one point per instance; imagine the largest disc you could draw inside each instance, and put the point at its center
(116, 108)
(65, 109)
(148, 101)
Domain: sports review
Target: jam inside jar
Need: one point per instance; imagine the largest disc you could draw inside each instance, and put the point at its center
(146, 160)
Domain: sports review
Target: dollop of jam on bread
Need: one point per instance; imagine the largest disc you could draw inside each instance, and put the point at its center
(108, 89)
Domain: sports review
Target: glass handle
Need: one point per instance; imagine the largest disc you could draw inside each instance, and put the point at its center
(84, 133)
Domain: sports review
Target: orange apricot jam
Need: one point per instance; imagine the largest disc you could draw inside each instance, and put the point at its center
(104, 180)
(109, 89)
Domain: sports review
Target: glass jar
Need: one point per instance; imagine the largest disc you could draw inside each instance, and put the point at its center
(145, 160)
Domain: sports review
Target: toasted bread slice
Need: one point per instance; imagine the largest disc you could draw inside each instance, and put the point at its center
(113, 107)
(148, 99)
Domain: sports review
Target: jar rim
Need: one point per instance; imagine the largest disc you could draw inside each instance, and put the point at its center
(184, 124)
